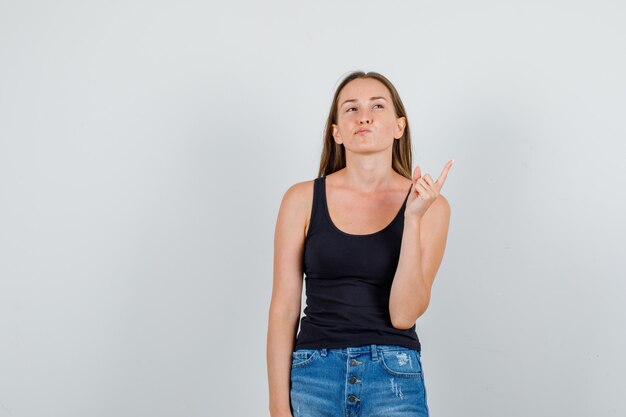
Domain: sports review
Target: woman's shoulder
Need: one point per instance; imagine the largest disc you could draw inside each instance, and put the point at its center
(298, 198)
(299, 192)
(295, 207)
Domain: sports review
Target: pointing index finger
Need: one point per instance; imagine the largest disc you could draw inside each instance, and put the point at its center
(444, 173)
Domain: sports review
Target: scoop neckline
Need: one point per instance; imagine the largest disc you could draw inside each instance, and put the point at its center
(330, 220)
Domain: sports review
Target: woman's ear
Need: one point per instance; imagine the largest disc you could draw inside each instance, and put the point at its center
(400, 125)
(336, 134)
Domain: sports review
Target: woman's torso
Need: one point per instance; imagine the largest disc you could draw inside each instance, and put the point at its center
(351, 252)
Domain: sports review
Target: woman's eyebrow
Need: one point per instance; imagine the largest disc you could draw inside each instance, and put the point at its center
(353, 99)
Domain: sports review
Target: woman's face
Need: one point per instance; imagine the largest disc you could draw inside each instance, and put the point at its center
(365, 103)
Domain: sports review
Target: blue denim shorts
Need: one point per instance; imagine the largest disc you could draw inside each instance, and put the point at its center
(367, 381)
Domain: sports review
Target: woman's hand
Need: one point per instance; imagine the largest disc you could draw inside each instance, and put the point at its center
(424, 191)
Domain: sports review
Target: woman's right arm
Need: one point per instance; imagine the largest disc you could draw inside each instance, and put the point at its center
(284, 311)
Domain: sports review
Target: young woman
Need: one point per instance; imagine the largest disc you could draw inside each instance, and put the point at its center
(369, 236)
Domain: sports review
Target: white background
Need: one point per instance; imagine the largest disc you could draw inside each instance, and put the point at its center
(145, 147)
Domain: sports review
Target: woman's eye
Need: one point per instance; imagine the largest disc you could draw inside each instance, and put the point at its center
(355, 107)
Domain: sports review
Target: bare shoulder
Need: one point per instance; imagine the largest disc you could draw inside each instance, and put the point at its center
(298, 197)
(299, 190)
(295, 207)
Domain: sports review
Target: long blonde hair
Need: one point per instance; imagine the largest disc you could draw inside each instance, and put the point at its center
(334, 155)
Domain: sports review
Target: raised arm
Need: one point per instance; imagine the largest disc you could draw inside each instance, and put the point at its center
(423, 246)
(426, 221)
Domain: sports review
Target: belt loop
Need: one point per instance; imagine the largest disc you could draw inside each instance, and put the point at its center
(323, 352)
(374, 353)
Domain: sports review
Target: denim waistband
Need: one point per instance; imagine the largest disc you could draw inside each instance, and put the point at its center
(373, 349)
(367, 348)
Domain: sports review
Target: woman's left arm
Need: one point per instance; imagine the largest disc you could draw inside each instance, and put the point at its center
(423, 245)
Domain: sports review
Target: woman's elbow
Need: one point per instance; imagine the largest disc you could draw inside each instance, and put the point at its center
(405, 323)
(402, 323)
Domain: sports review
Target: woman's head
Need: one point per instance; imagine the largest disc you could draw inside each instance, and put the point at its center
(385, 115)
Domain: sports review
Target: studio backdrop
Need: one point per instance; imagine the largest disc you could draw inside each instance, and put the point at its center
(145, 148)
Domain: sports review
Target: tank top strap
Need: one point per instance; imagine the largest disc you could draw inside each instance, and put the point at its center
(408, 193)
(315, 222)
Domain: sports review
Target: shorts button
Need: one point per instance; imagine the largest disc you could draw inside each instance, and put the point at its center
(352, 398)
(353, 362)
(353, 380)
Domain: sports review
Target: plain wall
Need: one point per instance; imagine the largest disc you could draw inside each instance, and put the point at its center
(145, 148)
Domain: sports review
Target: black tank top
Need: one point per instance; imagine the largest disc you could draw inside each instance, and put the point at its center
(348, 281)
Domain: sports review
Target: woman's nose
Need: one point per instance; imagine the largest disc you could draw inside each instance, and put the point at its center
(365, 117)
